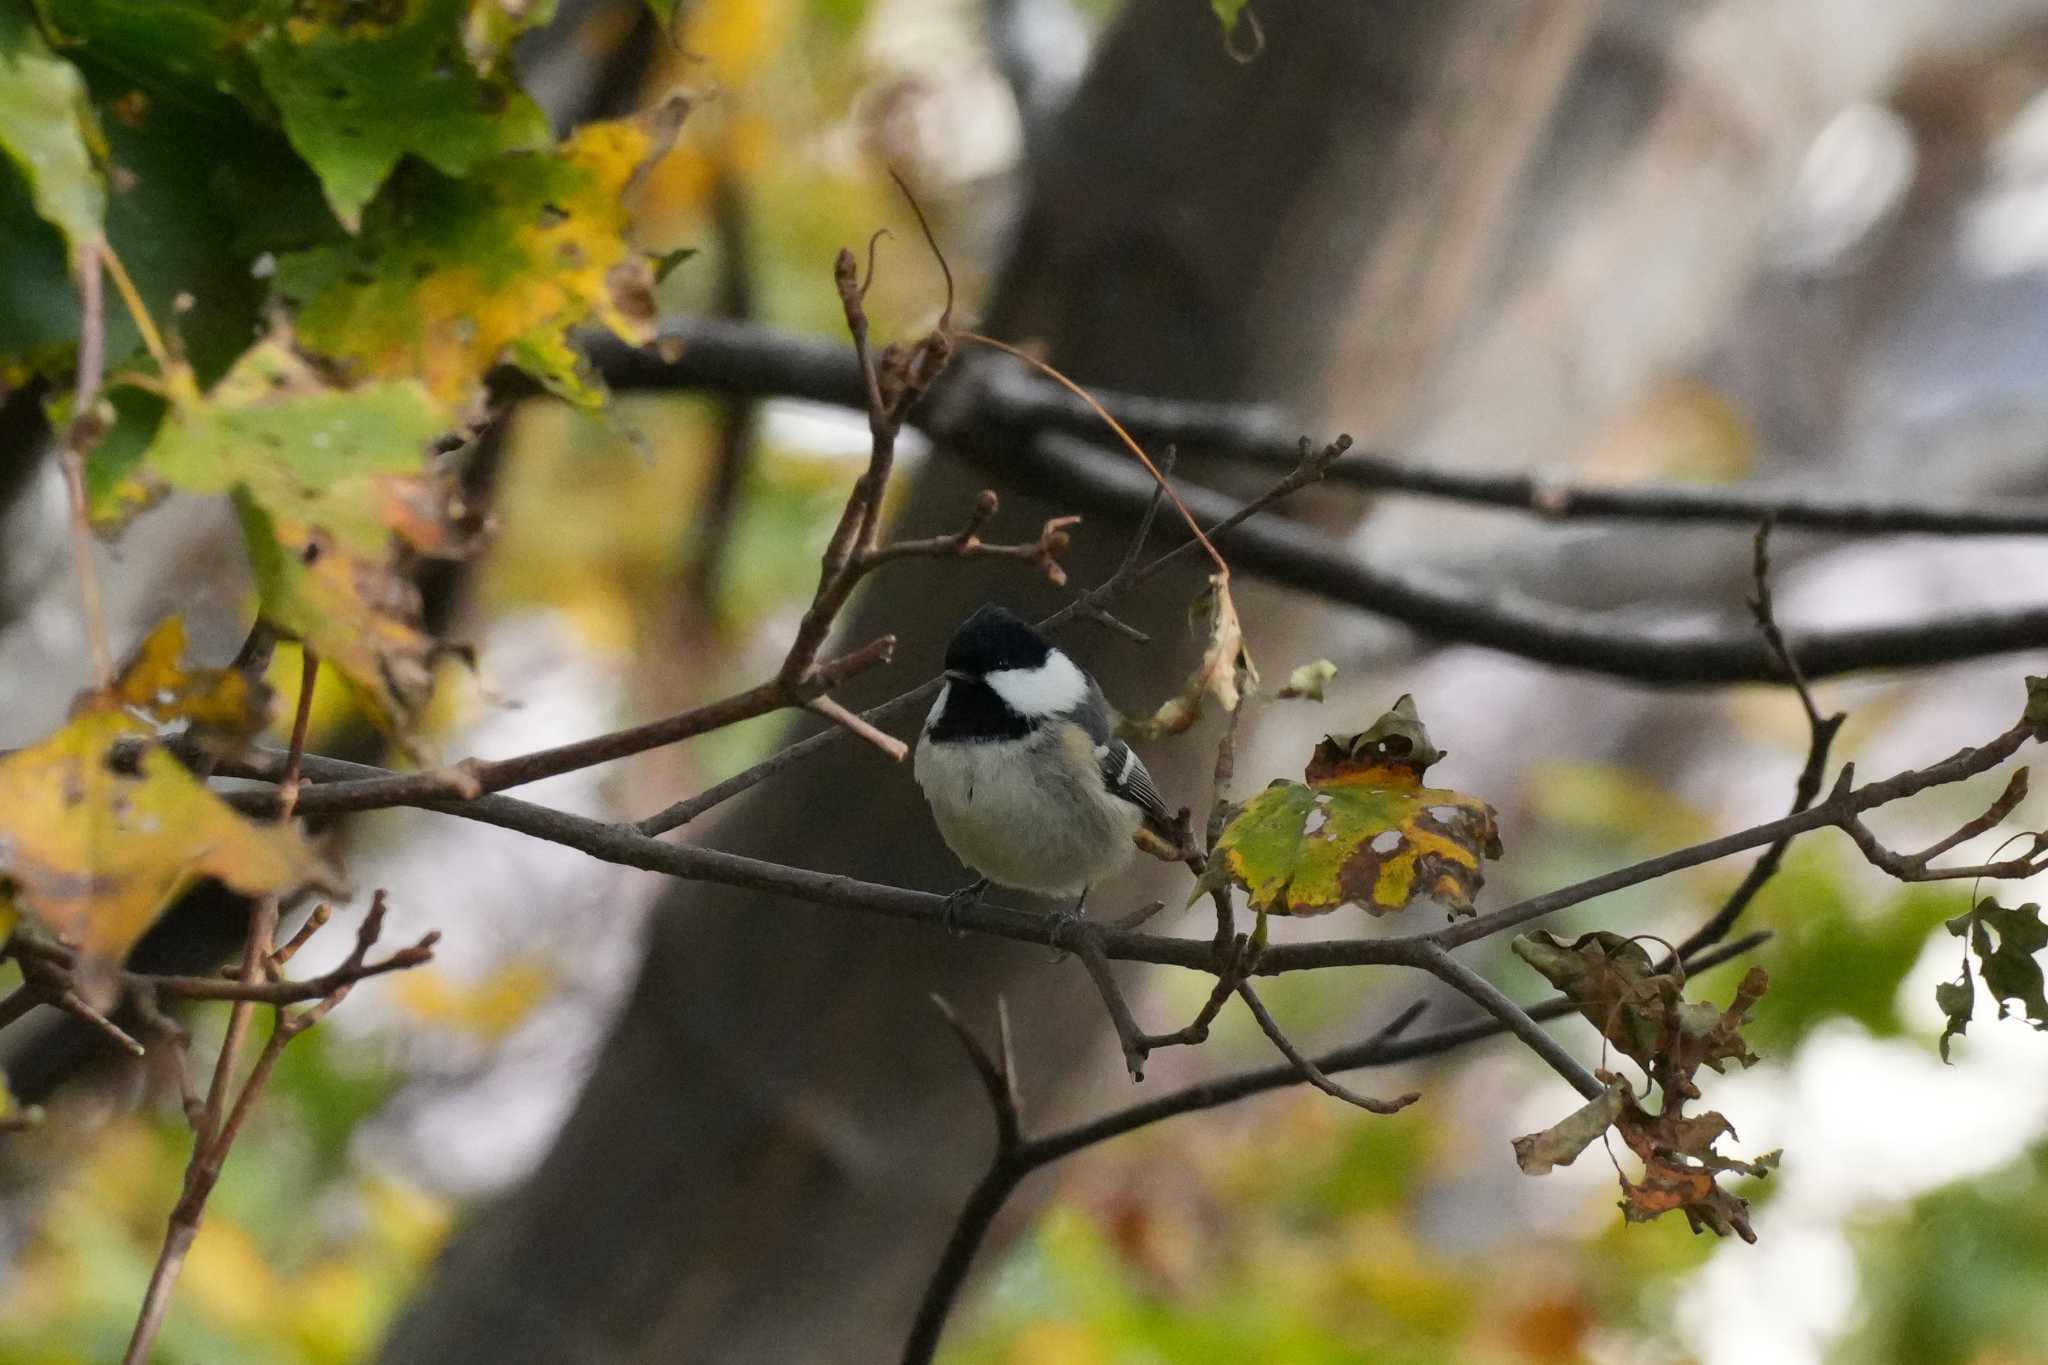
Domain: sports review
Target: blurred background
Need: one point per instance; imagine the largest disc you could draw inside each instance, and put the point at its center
(1708, 241)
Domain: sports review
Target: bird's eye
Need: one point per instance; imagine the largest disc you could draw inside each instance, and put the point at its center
(1394, 746)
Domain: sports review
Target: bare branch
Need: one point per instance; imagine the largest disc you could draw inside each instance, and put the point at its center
(1821, 732)
(1310, 1072)
(722, 357)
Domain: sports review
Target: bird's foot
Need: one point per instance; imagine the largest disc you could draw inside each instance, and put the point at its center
(960, 902)
(1060, 923)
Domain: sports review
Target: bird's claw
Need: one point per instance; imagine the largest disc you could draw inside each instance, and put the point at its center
(1061, 922)
(959, 903)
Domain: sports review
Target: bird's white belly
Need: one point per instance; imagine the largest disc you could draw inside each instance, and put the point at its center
(1020, 819)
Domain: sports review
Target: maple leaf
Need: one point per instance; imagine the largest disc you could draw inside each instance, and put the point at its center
(355, 612)
(449, 276)
(100, 827)
(1362, 830)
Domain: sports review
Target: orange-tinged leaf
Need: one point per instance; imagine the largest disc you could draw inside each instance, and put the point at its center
(1363, 831)
(96, 843)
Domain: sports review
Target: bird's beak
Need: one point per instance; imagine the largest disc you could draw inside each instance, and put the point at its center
(955, 675)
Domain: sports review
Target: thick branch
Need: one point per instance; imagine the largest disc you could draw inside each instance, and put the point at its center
(759, 362)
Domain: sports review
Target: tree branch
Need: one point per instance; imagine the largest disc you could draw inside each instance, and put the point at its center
(758, 362)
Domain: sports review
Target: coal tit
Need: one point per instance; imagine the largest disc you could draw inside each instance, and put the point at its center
(1024, 778)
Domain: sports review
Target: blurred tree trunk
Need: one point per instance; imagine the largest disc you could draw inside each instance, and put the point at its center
(779, 1133)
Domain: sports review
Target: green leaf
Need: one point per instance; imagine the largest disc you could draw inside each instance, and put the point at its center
(354, 612)
(1560, 1144)
(357, 95)
(448, 277)
(46, 127)
(1227, 13)
(347, 461)
(1957, 1000)
(2003, 941)
(38, 296)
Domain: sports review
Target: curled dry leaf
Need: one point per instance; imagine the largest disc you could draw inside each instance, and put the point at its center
(1217, 674)
(1645, 1015)
(1363, 831)
(100, 827)
(1309, 680)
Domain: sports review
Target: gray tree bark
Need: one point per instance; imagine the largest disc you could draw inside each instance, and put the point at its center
(779, 1133)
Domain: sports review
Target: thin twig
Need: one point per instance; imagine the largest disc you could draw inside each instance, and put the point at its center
(1821, 732)
(624, 845)
(1490, 998)
(288, 789)
(476, 777)
(831, 710)
(86, 429)
(1310, 1072)
(219, 1118)
(1088, 604)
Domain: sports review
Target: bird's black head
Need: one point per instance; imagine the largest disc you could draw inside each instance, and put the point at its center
(993, 639)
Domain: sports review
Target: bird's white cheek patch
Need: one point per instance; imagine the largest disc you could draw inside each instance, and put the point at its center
(1057, 686)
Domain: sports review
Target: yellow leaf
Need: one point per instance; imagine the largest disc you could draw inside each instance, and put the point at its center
(457, 274)
(95, 843)
(156, 686)
(354, 612)
(491, 1008)
(1223, 658)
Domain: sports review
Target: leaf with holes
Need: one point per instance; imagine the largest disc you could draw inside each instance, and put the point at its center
(357, 94)
(1362, 831)
(1681, 1168)
(47, 128)
(100, 827)
(1224, 658)
(2003, 943)
(449, 277)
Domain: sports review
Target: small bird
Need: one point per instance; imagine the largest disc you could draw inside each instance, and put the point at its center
(1024, 778)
